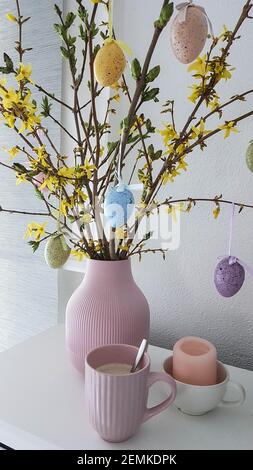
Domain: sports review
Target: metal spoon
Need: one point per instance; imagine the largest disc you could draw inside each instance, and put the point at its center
(139, 355)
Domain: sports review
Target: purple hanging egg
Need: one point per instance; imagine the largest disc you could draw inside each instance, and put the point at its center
(229, 276)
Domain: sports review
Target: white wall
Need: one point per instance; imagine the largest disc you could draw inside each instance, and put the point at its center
(180, 290)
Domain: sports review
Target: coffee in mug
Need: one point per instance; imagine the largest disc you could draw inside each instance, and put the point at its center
(115, 368)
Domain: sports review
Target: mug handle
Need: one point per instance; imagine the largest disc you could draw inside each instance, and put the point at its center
(160, 377)
(242, 395)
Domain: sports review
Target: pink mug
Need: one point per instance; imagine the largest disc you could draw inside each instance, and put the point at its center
(117, 404)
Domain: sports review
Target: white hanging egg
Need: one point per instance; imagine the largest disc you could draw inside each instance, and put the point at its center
(56, 251)
(188, 37)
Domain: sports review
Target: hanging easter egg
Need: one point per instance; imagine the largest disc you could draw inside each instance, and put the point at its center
(249, 156)
(118, 205)
(229, 276)
(188, 33)
(56, 251)
(109, 64)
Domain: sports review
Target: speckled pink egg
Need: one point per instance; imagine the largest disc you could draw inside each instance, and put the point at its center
(188, 38)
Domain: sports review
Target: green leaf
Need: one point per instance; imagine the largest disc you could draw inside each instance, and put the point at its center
(4, 70)
(157, 155)
(71, 218)
(20, 168)
(71, 40)
(83, 33)
(8, 62)
(69, 20)
(136, 69)
(94, 30)
(149, 127)
(133, 138)
(38, 194)
(151, 150)
(59, 29)
(153, 74)
(150, 94)
(82, 12)
(46, 106)
(165, 15)
(58, 10)
(125, 123)
(64, 52)
(35, 245)
(148, 236)
(95, 50)
(167, 12)
(111, 147)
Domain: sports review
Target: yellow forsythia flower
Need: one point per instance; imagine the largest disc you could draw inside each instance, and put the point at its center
(36, 230)
(116, 97)
(229, 127)
(199, 131)
(168, 134)
(10, 17)
(81, 194)
(86, 218)
(174, 209)
(182, 165)
(13, 152)
(199, 66)
(25, 72)
(21, 178)
(216, 212)
(120, 233)
(79, 255)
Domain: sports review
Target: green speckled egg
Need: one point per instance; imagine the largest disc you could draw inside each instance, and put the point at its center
(249, 156)
(56, 251)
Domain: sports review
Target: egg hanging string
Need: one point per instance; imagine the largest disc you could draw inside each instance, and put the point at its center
(118, 172)
(234, 259)
(58, 224)
(125, 48)
(232, 216)
(110, 19)
(183, 7)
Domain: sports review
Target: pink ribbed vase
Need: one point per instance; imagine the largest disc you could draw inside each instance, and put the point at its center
(107, 308)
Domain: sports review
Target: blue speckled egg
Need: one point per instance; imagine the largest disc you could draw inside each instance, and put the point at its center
(229, 277)
(118, 205)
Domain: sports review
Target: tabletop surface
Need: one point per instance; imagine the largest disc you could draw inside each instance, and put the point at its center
(42, 400)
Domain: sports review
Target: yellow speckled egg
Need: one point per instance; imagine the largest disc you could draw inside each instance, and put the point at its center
(109, 64)
(188, 38)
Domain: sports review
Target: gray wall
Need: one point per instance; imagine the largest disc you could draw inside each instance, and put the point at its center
(28, 288)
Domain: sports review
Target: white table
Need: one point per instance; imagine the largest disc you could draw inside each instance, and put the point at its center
(42, 406)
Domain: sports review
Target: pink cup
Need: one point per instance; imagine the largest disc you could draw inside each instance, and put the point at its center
(195, 361)
(117, 404)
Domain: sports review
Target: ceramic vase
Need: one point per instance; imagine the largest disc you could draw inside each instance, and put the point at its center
(107, 308)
